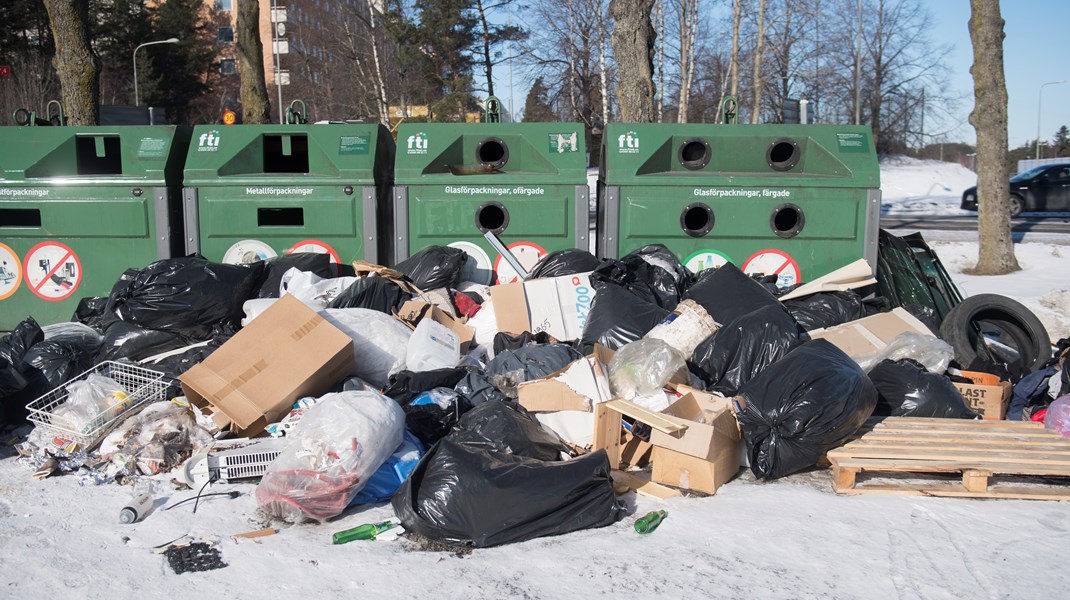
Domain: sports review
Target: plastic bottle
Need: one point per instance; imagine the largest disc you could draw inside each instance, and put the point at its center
(650, 521)
(432, 346)
(362, 532)
(136, 508)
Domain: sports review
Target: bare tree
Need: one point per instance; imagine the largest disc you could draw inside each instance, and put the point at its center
(733, 61)
(254, 97)
(633, 48)
(78, 69)
(989, 118)
(689, 28)
(756, 78)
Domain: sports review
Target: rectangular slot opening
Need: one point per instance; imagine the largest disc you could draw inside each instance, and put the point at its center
(280, 217)
(20, 217)
(286, 153)
(98, 155)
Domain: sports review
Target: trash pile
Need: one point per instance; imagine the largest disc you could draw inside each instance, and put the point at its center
(487, 415)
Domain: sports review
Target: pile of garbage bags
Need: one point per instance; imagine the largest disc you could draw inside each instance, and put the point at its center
(427, 412)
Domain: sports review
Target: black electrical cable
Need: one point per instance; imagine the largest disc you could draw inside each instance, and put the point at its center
(201, 494)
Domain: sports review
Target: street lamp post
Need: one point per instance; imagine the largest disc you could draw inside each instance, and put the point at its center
(1040, 96)
(137, 99)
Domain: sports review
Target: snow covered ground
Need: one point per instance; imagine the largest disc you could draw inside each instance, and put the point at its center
(792, 538)
(913, 187)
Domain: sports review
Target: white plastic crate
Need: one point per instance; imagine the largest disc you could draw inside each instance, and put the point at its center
(141, 385)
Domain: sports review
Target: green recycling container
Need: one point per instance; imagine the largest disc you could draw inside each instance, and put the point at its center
(797, 201)
(80, 205)
(253, 192)
(525, 182)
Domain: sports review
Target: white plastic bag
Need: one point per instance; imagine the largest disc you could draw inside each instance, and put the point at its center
(379, 341)
(485, 325)
(687, 326)
(91, 402)
(933, 353)
(432, 346)
(337, 446)
(311, 288)
(643, 367)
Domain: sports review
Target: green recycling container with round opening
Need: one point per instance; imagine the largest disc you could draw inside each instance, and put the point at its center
(253, 192)
(80, 205)
(525, 182)
(796, 201)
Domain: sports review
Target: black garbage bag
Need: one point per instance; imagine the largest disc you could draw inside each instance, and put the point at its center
(739, 351)
(431, 422)
(481, 498)
(807, 403)
(15, 345)
(55, 362)
(434, 267)
(618, 317)
(507, 341)
(907, 389)
(653, 273)
(564, 262)
(91, 312)
(274, 268)
(375, 293)
(727, 293)
(404, 386)
(16, 384)
(189, 295)
(826, 309)
(499, 380)
(507, 428)
(127, 340)
(177, 364)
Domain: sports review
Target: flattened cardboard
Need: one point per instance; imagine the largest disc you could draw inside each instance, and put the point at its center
(988, 396)
(254, 378)
(413, 311)
(578, 386)
(871, 334)
(556, 305)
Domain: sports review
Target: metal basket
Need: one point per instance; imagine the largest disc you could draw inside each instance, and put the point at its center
(141, 385)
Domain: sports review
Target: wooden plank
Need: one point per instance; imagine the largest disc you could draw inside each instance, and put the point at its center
(661, 422)
(956, 490)
(925, 421)
(843, 478)
(640, 482)
(607, 431)
(941, 454)
(982, 447)
(930, 466)
(974, 480)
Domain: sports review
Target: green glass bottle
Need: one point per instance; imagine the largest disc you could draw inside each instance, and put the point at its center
(362, 532)
(650, 521)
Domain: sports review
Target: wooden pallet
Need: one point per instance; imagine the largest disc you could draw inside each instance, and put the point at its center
(979, 450)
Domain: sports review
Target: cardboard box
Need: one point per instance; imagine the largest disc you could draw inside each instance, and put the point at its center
(556, 305)
(872, 334)
(690, 473)
(579, 386)
(712, 432)
(254, 378)
(987, 395)
(413, 311)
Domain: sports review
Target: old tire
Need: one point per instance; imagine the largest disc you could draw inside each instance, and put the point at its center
(1019, 328)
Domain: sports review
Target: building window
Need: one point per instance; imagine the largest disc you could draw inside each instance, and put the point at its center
(226, 35)
(224, 4)
(227, 66)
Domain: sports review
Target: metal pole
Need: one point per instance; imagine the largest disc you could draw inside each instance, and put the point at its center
(512, 115)
(858, 68)
(1040, 96)
(137, 98)
(275, 51)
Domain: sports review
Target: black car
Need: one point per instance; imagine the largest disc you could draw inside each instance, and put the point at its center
(1041, 189)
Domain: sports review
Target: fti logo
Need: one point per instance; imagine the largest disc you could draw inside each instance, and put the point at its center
(208, 142)
(628, 143)
(416, 144)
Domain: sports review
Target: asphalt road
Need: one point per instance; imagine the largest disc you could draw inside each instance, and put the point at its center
(1021, 225)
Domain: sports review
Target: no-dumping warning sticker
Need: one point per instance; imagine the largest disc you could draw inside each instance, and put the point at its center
(478, 267)
(706, 259)
(315, 246)
(52, 271)
(10, 271)
(526, 253)
(248, 251)
(774, 262)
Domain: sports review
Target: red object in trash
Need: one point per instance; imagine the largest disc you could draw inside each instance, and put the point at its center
(316, 495)
(1038, 416)
(465, 305)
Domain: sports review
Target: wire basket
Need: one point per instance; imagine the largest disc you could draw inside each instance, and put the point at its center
(141, 385)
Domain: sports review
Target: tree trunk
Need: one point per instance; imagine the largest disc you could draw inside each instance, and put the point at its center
(989, 119)
(756, 104)
(688, 33)
(603, 75)
(733, 61)
(254, 96)
(633, 47)
(659, 10)
(380, 85)
(78, 68)
(488, 64)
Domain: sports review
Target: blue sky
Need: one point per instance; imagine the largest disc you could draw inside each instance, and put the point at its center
(1034, 53)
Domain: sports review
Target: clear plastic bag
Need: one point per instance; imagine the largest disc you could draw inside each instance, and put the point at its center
(1058, 416)
(380, 342)
(933, 353)
(432, 346)
(643, 367)
(90, 402)
(311, 288)
(339, 443)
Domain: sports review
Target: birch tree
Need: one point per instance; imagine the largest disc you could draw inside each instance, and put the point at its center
(78, 68)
